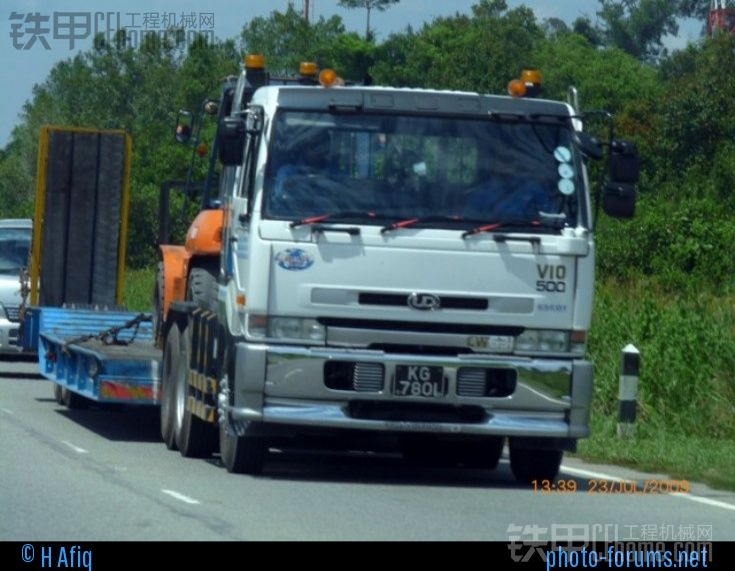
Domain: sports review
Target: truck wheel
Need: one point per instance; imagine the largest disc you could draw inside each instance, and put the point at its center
(196, 439)
(158, 297)
(528, 464)
(241, 454)
(57, 394)
(171, 361)
(481, 454)
(73, 401)
(202, 287)
(244, 454)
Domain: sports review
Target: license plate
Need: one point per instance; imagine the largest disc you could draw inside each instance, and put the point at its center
(419, 381)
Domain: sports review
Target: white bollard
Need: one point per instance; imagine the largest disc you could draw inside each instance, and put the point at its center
(628, 392)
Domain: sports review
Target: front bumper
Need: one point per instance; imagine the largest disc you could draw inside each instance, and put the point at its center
(285, 385)
(9, 336)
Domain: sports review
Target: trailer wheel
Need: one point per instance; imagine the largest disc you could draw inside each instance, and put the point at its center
(57, 394)
(171, 361)
(202, 287)
(529, 464)
(73, 401)
(197, 438)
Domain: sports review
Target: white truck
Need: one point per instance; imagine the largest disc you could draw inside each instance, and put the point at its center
(397, 265)
(15, 243)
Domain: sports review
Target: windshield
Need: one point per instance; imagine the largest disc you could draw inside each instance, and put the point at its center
(450, 171)
(14, 246)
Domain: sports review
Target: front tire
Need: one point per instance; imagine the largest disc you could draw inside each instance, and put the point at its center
(243, 454)
(528, 464)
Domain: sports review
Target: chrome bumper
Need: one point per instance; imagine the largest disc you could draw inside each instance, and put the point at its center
(9, 336)
(285, 385)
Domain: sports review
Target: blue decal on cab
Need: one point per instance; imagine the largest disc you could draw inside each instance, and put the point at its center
(294, 260)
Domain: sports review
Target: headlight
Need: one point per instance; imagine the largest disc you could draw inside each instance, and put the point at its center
(286, 328)
(542, 341)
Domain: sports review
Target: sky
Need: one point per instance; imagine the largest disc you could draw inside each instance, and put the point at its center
(23, 64)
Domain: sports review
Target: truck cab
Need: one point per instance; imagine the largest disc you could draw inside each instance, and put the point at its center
(15, 243)
(397, 264)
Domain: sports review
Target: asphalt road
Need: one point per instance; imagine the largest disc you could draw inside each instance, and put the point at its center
(105, 475)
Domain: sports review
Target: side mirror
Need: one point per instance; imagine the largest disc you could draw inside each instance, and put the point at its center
(231, 140)
(184, 124)
(589, 146)
(619, 200)
(624, 162)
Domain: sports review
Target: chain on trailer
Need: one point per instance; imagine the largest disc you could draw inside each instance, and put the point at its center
(110, 336)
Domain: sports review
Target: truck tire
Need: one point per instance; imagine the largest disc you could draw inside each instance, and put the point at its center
(171, 362)
(481, 454)
(241, 454)
(57, 394)
(244, 454)
(158, 298)
(73, 401)
(196, 439)
(202, 286)
(528, 464)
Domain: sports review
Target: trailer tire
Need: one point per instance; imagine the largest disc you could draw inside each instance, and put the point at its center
(202, 287)
(196, 439)
(57, 394)
(74, 401)
(528, 464)
(171, 361)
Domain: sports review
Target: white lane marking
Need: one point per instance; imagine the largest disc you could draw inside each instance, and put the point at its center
(690, 497)
(181, 497)
(707, 501)
(74, 447)
(6, 410)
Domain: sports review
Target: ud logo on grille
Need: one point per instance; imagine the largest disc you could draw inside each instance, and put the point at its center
(424, 301)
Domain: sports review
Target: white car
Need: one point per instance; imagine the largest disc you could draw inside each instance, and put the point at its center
(15, 243)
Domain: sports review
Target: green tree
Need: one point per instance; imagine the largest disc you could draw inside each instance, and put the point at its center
(286, 39)
(369, 5)
(638, 26)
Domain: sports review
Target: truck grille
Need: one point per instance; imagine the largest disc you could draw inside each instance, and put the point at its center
(476, 382)
(13, 313)
(350, 376)
(401, 300)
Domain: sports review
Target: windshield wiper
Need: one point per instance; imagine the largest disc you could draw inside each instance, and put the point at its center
(516, 224)
(419, 220)
(326, 217)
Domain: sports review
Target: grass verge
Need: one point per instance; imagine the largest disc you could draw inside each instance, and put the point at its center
(686, 424)
(139, 289)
